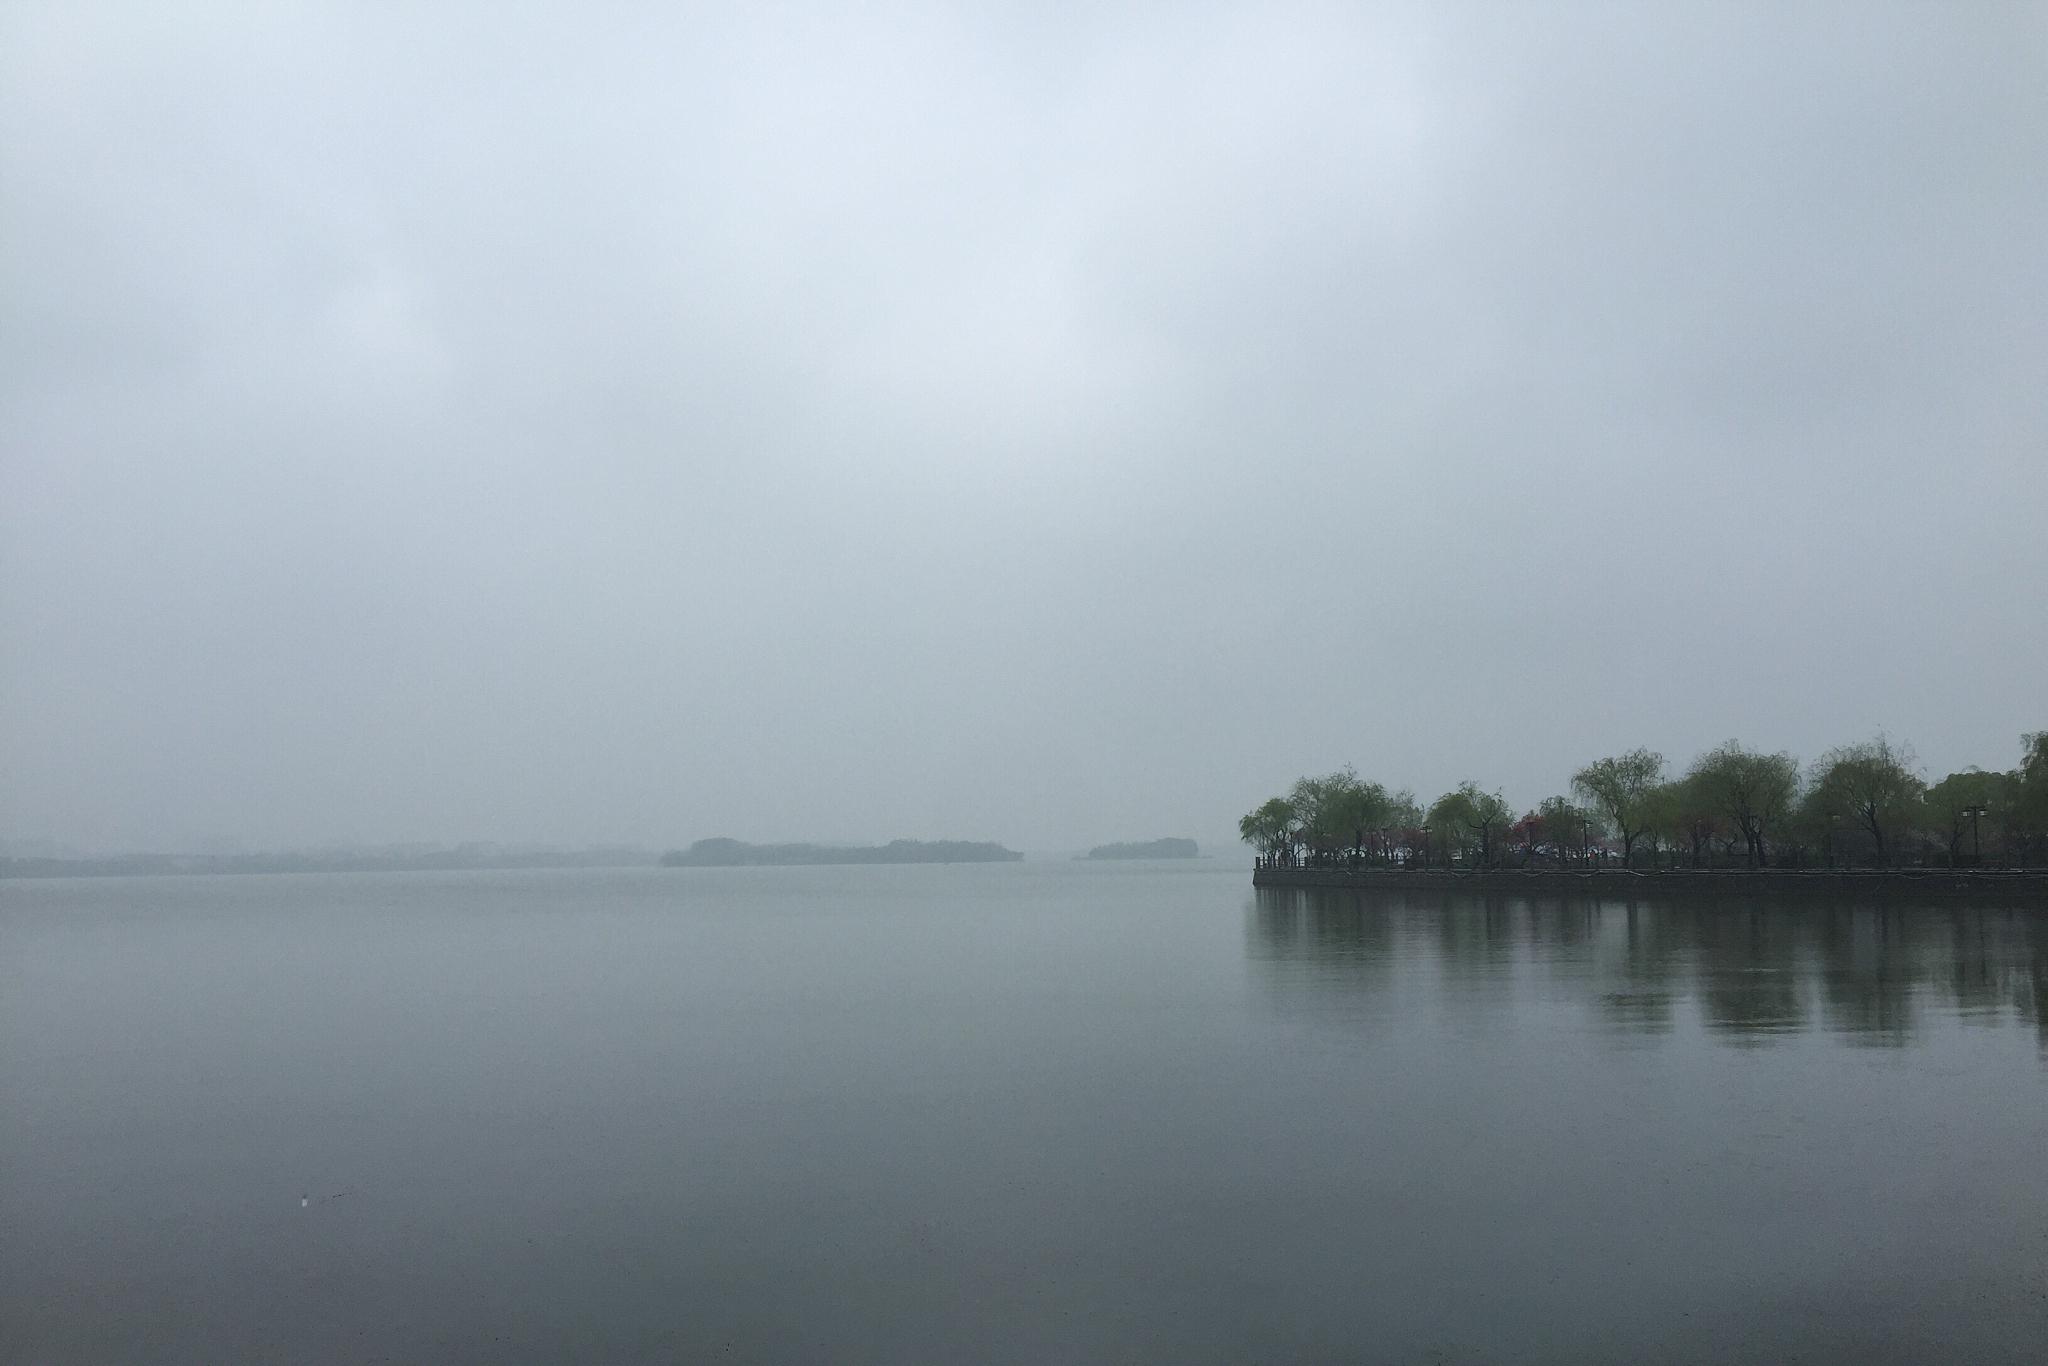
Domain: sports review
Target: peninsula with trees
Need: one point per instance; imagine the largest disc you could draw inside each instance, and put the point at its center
(730, 853)
(1166, 848)
(1863, 807)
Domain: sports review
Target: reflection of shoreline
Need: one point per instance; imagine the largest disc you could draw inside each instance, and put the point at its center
(1983, 887)
(1750, 969)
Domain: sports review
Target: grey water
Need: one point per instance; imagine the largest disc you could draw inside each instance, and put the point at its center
(1040, 1112)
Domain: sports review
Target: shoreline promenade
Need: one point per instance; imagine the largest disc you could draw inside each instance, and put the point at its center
(1979, 886)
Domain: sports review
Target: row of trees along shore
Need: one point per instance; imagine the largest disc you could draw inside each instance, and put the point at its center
(1860, 805)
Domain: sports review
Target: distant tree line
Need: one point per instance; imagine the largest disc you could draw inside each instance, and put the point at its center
(1859, 805)
(1145, 849)
(730, 853)
(480, 856)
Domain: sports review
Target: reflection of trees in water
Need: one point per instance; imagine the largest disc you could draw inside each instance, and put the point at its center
(1476, 938)
(1747, 970)
(1999, 960)
(1754, 969)
(1324, 926)
(1637, 995)
(1868, 971)
(2037, 988)
(1348, 943)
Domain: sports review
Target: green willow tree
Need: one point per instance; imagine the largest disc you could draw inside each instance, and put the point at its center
(1269, 827)
(1699, 821)
(1730, 799)
(1872, 785)
(1663, 822)
(1754, 791)
(1331, 814)
(1474, 813)
(1811, 826)
(1948, 808)
(1323, 808)
(1565, 825)
(1362, 808)
(1620, 787)
(1402, 816)
(2030, 801)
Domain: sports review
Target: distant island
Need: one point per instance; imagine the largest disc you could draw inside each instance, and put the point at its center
(477, 856)
(1145, 849)
(725, 853)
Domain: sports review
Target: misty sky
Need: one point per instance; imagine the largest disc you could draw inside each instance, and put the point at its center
(1050, 424)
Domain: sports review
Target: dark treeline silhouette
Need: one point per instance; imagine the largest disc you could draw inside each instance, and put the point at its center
(1859, 805)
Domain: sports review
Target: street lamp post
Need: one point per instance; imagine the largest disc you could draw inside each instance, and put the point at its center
(1976, 845)
(1425, 846)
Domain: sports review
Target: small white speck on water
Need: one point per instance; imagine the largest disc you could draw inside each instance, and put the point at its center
(302, 1202)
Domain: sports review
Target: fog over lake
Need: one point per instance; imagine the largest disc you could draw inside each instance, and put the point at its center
(454, 456)
(1050, 425)
(1009, 1112)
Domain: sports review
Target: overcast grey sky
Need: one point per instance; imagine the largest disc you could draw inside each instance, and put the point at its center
(1042, 423)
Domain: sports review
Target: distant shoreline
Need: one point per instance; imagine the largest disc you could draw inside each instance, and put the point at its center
(225, 865)
(1145, 849)
(2002, 887)
(729, 853)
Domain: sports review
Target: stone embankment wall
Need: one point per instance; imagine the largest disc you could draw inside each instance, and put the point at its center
(1983, 887)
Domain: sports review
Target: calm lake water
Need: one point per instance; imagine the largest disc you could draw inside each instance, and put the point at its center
(1009, 1113)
